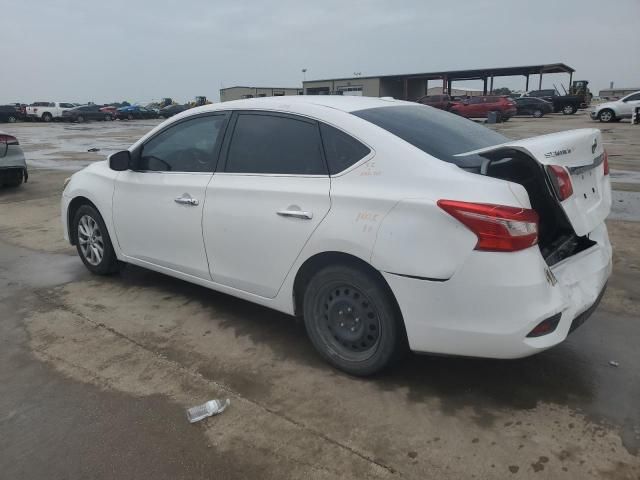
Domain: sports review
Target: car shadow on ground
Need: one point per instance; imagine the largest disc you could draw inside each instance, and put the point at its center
(562, 375)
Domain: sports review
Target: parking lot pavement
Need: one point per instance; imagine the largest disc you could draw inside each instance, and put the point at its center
(95, 373)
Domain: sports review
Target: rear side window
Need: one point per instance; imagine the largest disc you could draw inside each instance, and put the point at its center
(436, 132)
(275, 144)
(340, 149)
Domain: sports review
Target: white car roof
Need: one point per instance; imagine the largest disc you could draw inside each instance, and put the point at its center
(338, 102)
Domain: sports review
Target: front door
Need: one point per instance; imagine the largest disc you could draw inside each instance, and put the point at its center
(265, 204)
(157, 208)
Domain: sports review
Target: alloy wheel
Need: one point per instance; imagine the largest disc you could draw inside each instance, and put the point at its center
(90, 240)
(606, 116)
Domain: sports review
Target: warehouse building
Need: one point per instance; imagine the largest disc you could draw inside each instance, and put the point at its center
(237, 93)
(412, 86)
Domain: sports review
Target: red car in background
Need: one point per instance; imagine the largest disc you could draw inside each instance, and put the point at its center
(480, 106)
(443, 102)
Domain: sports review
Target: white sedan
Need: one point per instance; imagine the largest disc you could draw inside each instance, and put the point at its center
(385, 224)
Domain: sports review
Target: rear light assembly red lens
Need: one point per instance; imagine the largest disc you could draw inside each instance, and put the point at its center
(561, 181)
(499, 228)
(545, 327)
(605, 162)
(8, 139)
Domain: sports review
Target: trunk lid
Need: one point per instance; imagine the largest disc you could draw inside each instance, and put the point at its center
(581, 152)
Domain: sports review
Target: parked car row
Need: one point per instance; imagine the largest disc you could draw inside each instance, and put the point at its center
(475, 107)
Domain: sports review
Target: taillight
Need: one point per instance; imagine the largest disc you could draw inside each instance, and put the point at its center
(561, 181)
(605, 162)
(8, 139)
(499, 228)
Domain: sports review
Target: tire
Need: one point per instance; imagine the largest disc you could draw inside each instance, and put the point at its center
(91, 235)
(606, 115)
(108, 118)
(505, 118)
(352, 321)
(130, 117)
(47, 117)
(537, 114)
(80, 119)
(569, 109)
(13, 178)
(12, 119)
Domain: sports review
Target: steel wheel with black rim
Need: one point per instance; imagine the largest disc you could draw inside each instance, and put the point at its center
(93, 242)
(352, 320)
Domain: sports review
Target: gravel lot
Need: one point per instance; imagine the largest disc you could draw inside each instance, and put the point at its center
(95, 373)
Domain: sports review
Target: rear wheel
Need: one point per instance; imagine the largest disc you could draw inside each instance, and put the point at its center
(108, 118)
(12, 178)
(93, 242)
(47, 117)
(79, 119)
(352, 320)
(569, 109)
(130, 117)
(537, 113)
(12, 119)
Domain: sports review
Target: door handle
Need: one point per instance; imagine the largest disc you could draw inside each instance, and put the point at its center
(295, 214)
(186, 199)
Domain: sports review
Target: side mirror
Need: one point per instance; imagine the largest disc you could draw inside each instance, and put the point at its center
(120, 161)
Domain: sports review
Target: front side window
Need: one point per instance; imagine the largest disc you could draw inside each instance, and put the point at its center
(188, 146)
(276, 145)
(340, 149)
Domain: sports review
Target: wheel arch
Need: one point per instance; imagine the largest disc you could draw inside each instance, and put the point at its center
(316, 262)
(74, 205)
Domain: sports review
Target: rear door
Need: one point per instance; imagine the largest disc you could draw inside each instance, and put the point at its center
(157, 208)
(265, 202)
(581, 155)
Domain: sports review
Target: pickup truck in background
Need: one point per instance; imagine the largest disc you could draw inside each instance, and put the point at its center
(578, 97)
(47, 111)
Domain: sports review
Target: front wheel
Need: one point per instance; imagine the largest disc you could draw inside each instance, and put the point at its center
(352, 320)
(12, 119)
(537, 114)
(606, 116)
(93, 242)
(108, 118)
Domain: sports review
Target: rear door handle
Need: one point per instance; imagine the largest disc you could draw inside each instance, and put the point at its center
(186, 199)
(295, 214)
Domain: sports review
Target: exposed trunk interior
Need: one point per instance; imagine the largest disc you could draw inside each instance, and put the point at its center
(557, 239)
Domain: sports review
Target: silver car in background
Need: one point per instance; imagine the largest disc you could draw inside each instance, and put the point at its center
(13, 167)
(616, 111)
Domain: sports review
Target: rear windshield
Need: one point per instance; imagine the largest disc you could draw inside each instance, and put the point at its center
(436, 132)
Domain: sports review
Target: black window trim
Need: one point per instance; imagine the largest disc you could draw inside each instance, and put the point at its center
(135, 154)
(224, 154)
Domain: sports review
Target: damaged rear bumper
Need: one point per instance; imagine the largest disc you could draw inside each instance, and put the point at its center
(495, 300)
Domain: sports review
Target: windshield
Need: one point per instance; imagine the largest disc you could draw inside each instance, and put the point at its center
(438, 133)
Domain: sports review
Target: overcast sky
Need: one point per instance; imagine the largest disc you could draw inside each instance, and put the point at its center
(139, 50)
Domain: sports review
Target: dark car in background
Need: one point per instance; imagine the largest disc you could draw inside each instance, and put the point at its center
(536, 107)
(480, 106)
(84, 113)
(11, 113)
(133, 112)
(171, 110)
